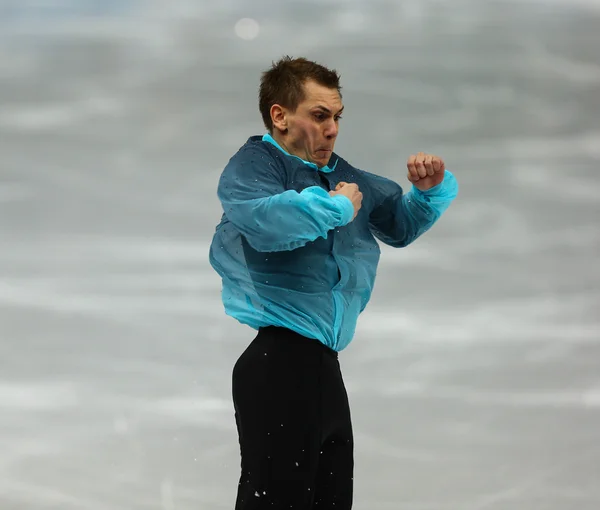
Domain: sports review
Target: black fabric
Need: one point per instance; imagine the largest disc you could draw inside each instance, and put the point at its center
(294, 425)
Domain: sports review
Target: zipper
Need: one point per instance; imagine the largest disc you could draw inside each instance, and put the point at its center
(335, 292)
(337, 299)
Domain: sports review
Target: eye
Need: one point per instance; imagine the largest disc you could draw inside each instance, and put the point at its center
(319, 116)
(338, 118)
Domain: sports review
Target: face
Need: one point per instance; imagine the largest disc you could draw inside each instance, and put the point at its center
(310, 132)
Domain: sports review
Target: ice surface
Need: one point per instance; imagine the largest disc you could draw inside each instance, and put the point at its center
(474, 377)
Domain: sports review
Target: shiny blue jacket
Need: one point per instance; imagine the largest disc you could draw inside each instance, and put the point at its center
(290, 255)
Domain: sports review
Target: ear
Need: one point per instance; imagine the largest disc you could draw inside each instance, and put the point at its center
(279, 117)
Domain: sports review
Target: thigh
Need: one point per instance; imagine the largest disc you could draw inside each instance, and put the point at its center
(276, 398)
(335, 476)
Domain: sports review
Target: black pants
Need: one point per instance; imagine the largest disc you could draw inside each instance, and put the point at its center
(294, 426)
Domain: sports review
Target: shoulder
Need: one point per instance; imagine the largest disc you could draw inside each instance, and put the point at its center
(253, 163)
(253, 147)
(348, 171)
(255, 154)
(376, 189)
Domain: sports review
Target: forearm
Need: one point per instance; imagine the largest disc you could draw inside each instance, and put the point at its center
(287, 220)
(415, 212)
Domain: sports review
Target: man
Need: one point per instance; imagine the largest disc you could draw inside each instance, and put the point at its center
(297, 252)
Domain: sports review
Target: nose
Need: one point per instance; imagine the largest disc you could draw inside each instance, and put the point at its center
(331, 129)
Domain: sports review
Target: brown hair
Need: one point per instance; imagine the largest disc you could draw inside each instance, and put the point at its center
(283, 84)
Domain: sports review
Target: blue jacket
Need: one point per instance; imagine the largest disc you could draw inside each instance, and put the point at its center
(290, 255)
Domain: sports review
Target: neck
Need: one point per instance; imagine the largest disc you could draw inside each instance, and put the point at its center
(280, 139)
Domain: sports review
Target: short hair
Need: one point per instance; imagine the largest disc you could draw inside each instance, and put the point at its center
(283, 84)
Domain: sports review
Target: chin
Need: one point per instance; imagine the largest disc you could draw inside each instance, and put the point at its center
(322, 161)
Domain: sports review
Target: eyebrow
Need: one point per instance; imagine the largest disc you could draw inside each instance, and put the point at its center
(327, 110)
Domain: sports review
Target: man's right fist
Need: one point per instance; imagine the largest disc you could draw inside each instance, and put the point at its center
(352, 192)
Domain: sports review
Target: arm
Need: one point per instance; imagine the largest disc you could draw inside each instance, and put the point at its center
(271, 218)
(399, 219)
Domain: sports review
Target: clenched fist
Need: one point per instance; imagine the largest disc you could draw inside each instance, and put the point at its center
(425, 170)
(352, 192)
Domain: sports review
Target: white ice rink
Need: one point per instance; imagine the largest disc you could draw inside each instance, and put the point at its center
(474, 377)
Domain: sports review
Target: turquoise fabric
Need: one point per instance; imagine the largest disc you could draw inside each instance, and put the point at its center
(290, 255)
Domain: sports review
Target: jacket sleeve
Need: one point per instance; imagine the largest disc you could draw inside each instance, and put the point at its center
(254, 199)
(398, 219)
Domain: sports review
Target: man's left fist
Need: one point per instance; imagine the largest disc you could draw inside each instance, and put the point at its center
(425, 170)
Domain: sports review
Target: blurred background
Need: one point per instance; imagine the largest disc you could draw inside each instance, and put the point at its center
(474, 376)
